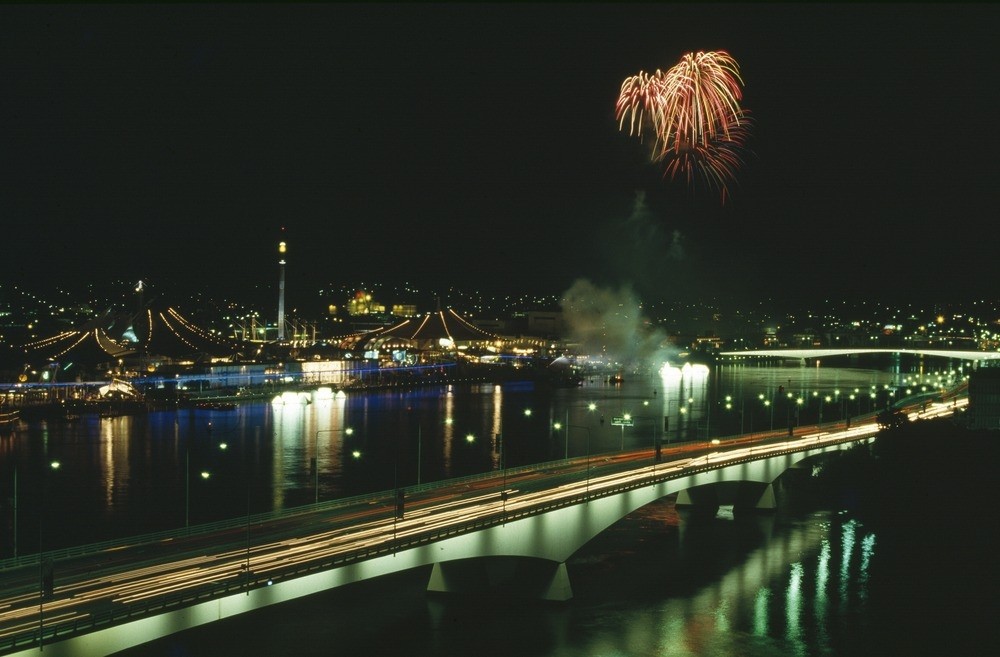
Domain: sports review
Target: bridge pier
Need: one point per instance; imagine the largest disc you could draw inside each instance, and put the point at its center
(515, 576)
(704, 501)
(753, 496)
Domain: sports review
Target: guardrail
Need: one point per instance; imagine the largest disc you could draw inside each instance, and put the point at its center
(254, 519)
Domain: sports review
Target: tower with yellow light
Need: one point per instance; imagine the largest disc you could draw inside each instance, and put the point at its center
(281, 291)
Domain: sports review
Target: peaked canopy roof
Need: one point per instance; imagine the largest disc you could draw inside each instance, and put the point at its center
(111, 335)
(431, 329)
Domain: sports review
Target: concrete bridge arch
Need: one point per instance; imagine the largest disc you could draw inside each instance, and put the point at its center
(526, 556)
(500, 556)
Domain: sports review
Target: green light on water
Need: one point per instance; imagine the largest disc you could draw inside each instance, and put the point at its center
(760, 606)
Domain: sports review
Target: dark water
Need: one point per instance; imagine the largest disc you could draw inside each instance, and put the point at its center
(657, 583)
(134, 474)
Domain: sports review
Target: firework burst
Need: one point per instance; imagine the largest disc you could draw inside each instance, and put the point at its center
(694, 115)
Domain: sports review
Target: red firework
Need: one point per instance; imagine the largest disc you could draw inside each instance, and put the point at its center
(693, 112)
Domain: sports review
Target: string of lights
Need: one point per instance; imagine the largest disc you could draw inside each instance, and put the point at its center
(67, 349)
(176, 334)
(51, 340)
(197, 330)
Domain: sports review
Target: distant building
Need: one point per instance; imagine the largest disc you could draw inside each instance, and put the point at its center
(806, 339)
(404, 309)
(495, 326)
(545, 323)
(364, 304)
(707, 343)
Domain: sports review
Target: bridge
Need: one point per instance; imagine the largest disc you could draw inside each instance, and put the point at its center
(822, 352)
(513, 530)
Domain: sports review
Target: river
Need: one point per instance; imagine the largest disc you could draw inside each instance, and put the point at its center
(656, 583)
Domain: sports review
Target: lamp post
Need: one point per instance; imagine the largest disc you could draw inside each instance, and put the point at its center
(315, 464)
(767, 404)
(246, 478)
(15, 511)
(245, 472)
(45, 566)
(205, 474)
(557, 426)
(728, 406)
(656, 443)
(503, 469)
(587, 429)
(708, 418)
(627, 417)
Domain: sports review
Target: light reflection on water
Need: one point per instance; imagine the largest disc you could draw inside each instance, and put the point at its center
(761, 606)
(644, 588)
(820, 602)
(793, 608)
(126, 475)
(847, 541)
(762, 601)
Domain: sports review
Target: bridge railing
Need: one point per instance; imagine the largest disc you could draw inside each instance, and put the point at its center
(254, 519)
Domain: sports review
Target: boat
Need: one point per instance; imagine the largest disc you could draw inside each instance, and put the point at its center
(567, 380)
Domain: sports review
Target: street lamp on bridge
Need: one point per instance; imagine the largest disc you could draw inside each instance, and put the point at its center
(46, 574)
(315, 464)
(587, 429)
(204, 474)
(768, 404)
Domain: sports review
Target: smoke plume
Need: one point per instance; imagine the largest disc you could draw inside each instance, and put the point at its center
(608, 323)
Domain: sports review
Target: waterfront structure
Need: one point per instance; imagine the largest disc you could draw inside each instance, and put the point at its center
(428, 338)
(121, 343)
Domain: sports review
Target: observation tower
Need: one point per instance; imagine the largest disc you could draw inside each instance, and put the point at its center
(281, 292)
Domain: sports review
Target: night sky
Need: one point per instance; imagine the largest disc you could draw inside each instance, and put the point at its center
(476, 145)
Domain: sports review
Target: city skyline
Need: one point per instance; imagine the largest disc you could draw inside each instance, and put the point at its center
(444, 142)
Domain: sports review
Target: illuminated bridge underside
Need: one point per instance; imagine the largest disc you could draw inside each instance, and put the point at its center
(555, 536)
(821, 353)
(525, 557)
